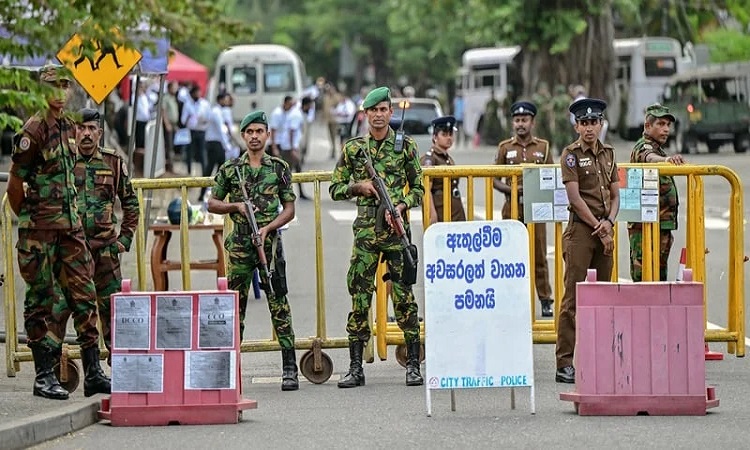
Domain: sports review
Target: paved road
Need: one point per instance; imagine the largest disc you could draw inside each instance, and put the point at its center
(388, 413)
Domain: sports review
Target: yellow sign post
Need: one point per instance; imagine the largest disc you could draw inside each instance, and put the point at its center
(97, 74)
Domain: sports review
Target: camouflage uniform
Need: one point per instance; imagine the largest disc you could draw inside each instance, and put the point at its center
(51, 242)
(100, 180)
(668, 205)
(398, 169)
(269, 187)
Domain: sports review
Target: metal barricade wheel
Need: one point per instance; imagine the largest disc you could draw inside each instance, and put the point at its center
(70, 380)
(401, 354)
(308, 369)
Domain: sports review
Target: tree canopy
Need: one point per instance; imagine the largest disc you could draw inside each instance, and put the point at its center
(39, 28)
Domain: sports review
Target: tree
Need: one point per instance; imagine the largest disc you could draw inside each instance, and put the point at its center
(39, 28)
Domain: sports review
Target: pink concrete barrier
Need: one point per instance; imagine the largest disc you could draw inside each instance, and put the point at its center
(640, 349)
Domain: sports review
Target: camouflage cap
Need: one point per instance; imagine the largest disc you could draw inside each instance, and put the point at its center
(253, 117)
(377, 95)
(658, 110)
(52, 72)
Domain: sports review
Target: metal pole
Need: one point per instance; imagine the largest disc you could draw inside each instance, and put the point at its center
(152, 169)
(131, 141)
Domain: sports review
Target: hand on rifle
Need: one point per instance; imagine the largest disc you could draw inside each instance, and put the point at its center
(263, 231)
(400, 208)
(364, 189)
(246, 210)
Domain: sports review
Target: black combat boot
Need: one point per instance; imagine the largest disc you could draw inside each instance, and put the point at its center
(289, 380)
(356, 376)
(413, 377)
(46, 383)
(95, 381)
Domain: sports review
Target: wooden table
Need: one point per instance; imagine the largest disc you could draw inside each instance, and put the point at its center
(160, 265)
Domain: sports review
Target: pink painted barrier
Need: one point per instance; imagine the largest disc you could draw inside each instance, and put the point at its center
(640, 349)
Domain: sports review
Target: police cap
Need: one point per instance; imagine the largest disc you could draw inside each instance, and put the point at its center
(253, 117)
(445, 123)
(87, 115)
(588, 108)
(375, 96)
(523, 108)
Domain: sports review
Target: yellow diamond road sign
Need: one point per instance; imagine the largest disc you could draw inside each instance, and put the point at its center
(101, 73)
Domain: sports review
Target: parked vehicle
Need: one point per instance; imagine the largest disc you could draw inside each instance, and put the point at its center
(258, 77)
(711, 106)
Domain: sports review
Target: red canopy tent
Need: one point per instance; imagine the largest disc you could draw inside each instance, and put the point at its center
(180, 68)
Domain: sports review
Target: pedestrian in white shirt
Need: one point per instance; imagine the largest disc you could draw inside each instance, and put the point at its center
(289, 137)
(276, 123)
(217, 139)
(195, 115)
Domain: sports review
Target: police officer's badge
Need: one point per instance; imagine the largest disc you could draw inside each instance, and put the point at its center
(588, 110)
(24, 143)
(570, 161)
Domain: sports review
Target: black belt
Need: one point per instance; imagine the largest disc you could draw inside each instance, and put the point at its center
(454, 192)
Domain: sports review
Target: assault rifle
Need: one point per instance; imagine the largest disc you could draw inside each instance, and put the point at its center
(409, 250)
(398, 145)
(255, 232)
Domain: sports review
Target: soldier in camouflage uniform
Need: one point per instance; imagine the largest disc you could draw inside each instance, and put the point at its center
(52, 251)
(101, 178)
(649, 149)
(268, 182)
(399, 168)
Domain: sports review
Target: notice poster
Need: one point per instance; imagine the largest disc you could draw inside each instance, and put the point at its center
(137, 373)
(131, 324)
(210, 370)
(217, 320)
(173, 321)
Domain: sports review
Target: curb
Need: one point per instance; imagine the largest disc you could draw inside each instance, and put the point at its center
(23, 433)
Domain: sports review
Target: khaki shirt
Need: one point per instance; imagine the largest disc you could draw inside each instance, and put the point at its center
(594, 169)
(511, 152)
(434, 158)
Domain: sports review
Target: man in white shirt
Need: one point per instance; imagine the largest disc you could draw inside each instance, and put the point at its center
(276, 123)
(195, 115)
(344, 113)
(217, 139)
(142, 117)
(289, 138)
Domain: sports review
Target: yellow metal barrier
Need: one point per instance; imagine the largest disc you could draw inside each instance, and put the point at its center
(318, 367)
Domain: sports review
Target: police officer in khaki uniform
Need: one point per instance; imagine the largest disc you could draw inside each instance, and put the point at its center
(525, 148)
(443, 129)
(590, 175)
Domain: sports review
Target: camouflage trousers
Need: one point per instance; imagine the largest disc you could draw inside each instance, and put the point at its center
(50, 262)
(242, 262)
(636, 253)
(368, 246)
(107, 280)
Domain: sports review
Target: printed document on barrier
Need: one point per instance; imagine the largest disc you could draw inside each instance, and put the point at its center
(137, 373)
(173, 322)
(210, 370)
(546, 179)
(541, 212)
(216, 313)
(131, 327)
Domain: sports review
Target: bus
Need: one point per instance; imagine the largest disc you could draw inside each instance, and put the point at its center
(485, 71)
(258, 77)
(643, 68)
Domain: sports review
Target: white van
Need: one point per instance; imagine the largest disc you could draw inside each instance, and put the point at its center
(258, 77)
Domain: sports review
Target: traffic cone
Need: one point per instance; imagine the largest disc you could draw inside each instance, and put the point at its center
(709, 355)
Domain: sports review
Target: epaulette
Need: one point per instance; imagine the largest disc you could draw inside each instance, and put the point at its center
(278, 160)
(507, 141)
(647, 146)
(541, 141)
(608, 146)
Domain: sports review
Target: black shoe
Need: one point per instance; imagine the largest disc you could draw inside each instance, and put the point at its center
(413, 377)
(46, 384)
(546, 308)
(289, 379)
(356, 376)
(566, 374)
(95, 382)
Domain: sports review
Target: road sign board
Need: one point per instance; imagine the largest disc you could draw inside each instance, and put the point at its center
(101, 72)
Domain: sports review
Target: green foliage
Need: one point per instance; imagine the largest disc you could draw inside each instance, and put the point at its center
(727, 45)
(39, 28)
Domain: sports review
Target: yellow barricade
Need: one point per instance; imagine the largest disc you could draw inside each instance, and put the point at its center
(317, 366)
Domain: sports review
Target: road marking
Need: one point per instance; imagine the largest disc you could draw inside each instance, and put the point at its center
(348, 215)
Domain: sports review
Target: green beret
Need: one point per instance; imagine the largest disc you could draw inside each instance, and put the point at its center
(376, 96)
(253, 117)
(657, 110)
